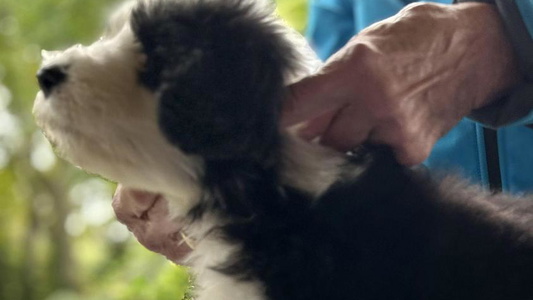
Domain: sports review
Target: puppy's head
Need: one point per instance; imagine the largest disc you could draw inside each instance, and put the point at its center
(172, 83)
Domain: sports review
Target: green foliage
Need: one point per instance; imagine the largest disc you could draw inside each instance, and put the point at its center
(294, 12)
(58, 236)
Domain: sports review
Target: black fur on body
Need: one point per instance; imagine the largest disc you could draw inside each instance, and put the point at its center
(390, 233)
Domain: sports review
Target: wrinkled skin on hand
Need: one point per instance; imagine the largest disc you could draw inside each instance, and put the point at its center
(146, 216)
(407, 80)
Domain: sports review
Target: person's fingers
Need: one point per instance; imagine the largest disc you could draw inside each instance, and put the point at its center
(411, 145)
(121, 207)
(309, 98)
(160, 233)
(409, 155)
(146, 215)
(317, 126)
(350, 128)
(130, 203)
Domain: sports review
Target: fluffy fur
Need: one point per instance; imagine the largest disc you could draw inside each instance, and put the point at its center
(182, 97)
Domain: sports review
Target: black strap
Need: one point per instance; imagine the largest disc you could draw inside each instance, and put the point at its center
(492, 157)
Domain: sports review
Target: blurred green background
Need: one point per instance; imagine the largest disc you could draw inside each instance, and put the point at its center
(59, 239)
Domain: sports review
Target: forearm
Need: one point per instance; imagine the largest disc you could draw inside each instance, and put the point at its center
(514, 106)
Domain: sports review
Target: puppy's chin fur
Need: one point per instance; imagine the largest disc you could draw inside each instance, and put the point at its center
(182, 97)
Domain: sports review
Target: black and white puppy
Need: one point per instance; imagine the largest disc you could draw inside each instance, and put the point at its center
(182, 97)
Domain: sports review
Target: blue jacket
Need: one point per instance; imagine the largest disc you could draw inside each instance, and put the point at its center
(498, 159)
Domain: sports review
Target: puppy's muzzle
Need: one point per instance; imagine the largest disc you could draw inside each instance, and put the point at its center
(50, 78)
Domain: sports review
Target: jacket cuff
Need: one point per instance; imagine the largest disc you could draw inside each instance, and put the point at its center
(516, 107)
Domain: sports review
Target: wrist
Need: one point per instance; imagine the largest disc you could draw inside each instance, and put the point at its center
(495, 69)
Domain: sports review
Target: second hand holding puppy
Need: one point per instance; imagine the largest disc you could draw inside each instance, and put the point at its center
(407, 80)
(146, 216)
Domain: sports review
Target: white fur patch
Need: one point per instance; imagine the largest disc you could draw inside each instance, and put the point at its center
(310, 167)
(104, 122)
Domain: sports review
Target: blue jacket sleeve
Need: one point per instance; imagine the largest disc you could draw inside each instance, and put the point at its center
(330, 26)
(516, 108)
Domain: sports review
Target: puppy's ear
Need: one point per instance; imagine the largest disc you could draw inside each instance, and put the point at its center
(218, 68)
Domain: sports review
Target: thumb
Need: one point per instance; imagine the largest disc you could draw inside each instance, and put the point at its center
(310, 98)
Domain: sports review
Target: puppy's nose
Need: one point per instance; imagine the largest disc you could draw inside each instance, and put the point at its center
(51, 77)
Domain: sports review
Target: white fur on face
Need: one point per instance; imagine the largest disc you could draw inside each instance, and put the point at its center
(102, 120)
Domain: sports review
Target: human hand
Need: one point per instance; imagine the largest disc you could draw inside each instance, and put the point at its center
(146, 216)
(407, 80)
